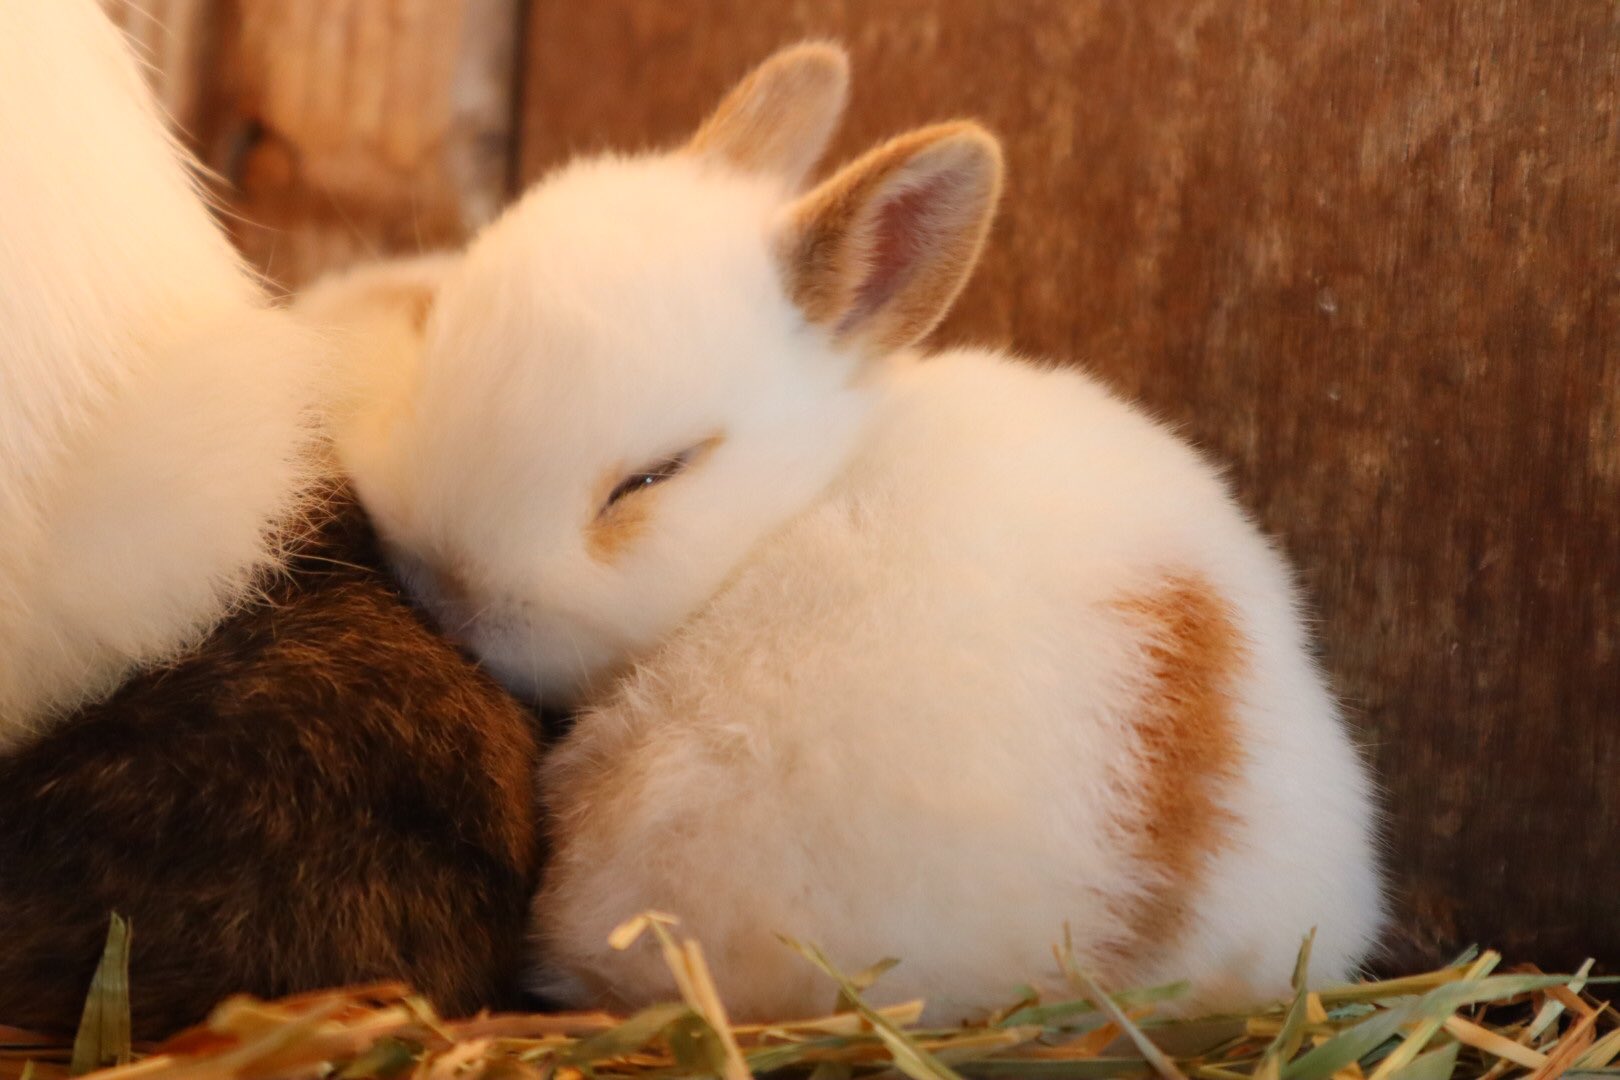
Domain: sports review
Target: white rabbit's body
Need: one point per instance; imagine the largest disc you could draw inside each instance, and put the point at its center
(912, 657)
(929, 719)
(154, 413)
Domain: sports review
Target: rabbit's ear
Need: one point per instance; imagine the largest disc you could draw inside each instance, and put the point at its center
(877, 252)
(777, 121)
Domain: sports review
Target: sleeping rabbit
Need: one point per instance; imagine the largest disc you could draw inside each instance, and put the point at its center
(906, 654)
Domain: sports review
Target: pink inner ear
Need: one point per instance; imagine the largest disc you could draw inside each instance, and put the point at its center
(901, 234)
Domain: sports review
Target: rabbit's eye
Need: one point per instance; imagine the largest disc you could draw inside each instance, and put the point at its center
(622, 519)
(639, 481)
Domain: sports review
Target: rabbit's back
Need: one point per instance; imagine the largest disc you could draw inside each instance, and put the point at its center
(1027, 665)
(1234, 757)
(322, 793)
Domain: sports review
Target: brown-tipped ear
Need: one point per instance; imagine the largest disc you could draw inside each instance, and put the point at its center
(878, 252)
(777, 121)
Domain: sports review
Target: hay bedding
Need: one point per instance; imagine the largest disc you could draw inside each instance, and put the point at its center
(1466, 1020)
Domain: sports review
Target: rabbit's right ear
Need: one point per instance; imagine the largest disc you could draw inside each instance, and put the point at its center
(778, 120)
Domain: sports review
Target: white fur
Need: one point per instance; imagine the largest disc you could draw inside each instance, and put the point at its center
(903, 729)
(155, 415)
(535, 383)
(372, 315)
(884, 694)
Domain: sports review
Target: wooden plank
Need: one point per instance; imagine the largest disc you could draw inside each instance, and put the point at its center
(1365, 251)
(351, 128)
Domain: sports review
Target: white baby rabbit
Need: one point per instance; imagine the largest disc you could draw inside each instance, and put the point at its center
(155, 414)
(913, 656)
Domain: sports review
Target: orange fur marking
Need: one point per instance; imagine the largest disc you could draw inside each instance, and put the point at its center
(615, 529)
(1189, 742)
(611, 533)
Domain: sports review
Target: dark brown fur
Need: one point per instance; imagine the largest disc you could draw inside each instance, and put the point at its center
(324, 792)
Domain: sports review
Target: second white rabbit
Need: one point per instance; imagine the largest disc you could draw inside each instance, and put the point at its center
(923, 656)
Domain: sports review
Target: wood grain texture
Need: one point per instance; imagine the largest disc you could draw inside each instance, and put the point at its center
(1365, 251)
(341, 128)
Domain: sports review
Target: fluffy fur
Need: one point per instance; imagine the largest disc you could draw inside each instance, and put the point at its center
(308, 791)
(374, 315)
(488, 461)
(324, 792)
(921, 722)
(927, 656)
(155, 415)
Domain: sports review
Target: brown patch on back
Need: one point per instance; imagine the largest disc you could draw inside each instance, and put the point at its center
(1189, 741)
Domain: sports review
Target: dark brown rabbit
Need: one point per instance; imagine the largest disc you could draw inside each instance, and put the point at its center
(324, 792)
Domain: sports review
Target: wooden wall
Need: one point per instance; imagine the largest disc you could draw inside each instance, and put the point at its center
(1365, 251)
(341, 129)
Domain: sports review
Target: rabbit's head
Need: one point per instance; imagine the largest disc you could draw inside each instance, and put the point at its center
(648, 363)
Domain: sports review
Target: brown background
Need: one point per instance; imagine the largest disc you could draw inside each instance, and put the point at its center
(1365, 251)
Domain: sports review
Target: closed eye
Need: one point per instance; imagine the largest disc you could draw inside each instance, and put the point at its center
(651, 476)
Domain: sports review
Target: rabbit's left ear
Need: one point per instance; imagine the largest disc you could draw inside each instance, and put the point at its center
(877, 253)
(778, 120)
